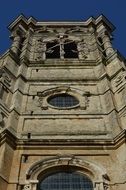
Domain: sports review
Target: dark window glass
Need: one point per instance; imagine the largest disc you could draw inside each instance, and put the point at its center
(70, 49)
(63, 101)
(66, 181)
(53, 50)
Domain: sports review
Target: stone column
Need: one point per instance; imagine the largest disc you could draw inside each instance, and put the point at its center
(34, 184)
(62, 51)
(61, 44)
(43, 51)
(16, 44)
(107, 43)
(83, 50)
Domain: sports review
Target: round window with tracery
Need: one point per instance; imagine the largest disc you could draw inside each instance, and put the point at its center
(63, 101)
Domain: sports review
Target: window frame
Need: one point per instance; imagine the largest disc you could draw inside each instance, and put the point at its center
(61, 45)
(60, 107)
(67, 171)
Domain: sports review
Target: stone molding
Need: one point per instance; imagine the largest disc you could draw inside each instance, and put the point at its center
(94, 172)
(83, 97)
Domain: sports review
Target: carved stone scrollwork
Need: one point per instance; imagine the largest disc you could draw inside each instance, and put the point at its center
(41, 102)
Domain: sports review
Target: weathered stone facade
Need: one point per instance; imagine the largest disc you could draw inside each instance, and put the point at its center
(57, 59)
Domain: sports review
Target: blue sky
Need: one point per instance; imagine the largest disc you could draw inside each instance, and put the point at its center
(114, 10)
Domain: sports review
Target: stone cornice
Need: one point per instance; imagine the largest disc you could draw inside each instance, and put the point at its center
(26, 22)
(10, 138)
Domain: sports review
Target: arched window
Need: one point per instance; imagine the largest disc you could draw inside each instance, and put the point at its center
(63, 100)
(70, 49)
(53, 50)
(66, 180)
(65, 49)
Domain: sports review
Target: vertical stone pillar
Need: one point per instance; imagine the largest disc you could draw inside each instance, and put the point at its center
(83, 50)
(62, 51)
(33, 184)
(16, 44)
(43, 51)
(79, 48)
(107, 43)
(61, 44)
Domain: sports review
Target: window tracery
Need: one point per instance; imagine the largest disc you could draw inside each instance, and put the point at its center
(66, 49)
(61, 46)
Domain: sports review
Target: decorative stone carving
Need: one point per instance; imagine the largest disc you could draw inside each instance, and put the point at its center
(77, 29)
(100, 186)
(106, 42)
(72, 30)
(16, 43)
(1, 118)
(106, 186)
(2, 123)
(45, 29)
(62, 39)
(4, 78)
(119, 82)
(40, 49)
(83, 98)
(42, 104)
(120, 79)
(17, 37)
(69, 160)
(27, 187)
(83, 49)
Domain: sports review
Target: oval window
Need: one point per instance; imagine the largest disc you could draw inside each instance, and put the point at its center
(63, 101)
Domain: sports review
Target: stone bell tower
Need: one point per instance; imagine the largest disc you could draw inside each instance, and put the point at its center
(62, 107)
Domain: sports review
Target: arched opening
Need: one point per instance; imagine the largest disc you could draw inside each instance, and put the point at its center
(70, 49)
(66, 179)
(65, 173)
(53, 50)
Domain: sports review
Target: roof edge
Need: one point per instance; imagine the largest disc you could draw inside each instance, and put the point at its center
(32, 20)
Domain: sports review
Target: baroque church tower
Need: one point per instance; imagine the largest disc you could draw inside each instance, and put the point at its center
(62, 107)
